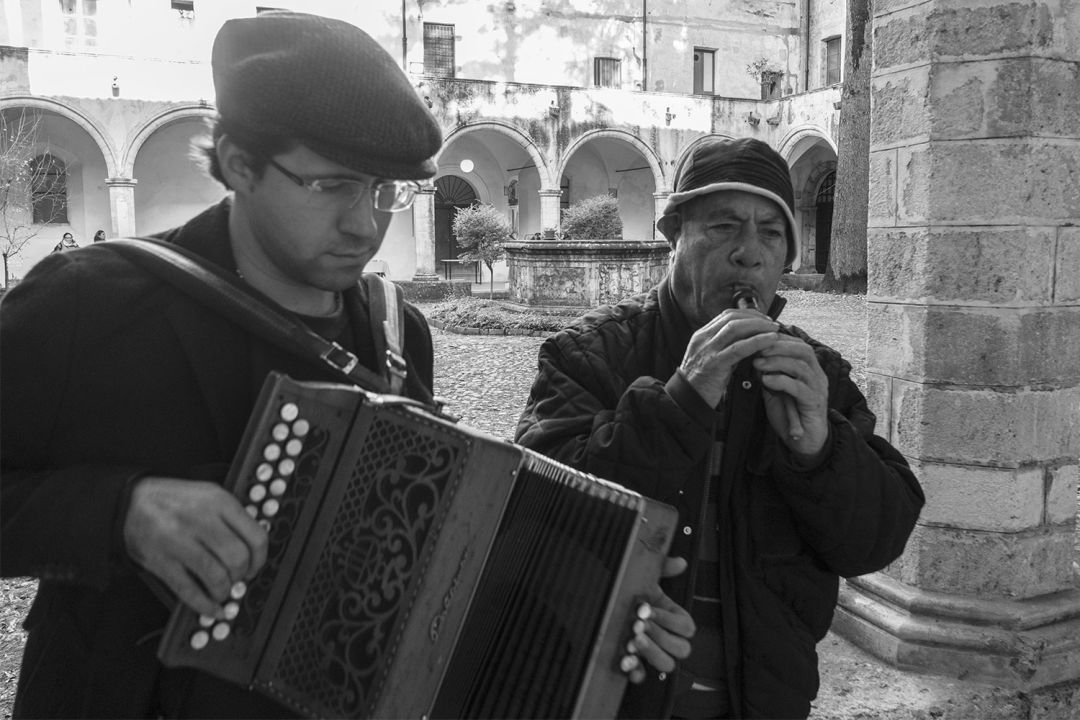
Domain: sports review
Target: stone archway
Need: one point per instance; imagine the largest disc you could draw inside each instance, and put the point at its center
(616, 163)
(811, 158)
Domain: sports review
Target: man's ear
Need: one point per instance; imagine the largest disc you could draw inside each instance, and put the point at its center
(235, 164)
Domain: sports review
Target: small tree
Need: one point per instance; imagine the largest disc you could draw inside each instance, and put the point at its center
(481, 230)
(595, 218)
(22, 181)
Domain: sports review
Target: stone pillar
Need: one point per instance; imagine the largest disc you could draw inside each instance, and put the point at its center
(659, 203)
(423, 211)
(550, 211)
(973, 352)
(122, 206)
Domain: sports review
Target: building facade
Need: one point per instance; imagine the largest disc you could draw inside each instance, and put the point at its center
(542, 103)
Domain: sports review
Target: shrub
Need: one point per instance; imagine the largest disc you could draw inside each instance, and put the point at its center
(595, 218)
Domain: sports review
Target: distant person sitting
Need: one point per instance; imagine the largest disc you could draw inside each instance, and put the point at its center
(66, 243)
(99, 236)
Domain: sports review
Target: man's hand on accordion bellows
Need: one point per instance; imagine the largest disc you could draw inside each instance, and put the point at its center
(661, 630)
(195, 537)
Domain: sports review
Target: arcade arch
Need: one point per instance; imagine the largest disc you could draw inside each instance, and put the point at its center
(811, 156)
(67, 136)
(172, 187)
(614, 162)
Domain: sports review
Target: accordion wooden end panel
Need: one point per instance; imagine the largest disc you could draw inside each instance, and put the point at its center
(422, 569)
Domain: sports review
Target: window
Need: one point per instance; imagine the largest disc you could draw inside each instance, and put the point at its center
(186, 8)
(439, 49)
(704, 62)
(833, 61)
(607, 72)
(80, 23)
(48, 189)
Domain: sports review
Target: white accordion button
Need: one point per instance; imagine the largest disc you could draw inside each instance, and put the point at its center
(289, 412)
(257, 493)
(206, 621)
(231, 610)
(293, 447)
(199, 639)
(264, 472)
(252, 510)
(265, 524)
(270, 507)
(286, 467)
(221, 631)
(277, 488)
(301, 427)
(280, 432)
(272, 452)
(238, 590)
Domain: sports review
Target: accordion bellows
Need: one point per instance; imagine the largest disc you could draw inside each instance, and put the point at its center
(418, 568)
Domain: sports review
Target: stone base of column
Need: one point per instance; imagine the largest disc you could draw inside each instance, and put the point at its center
(426, 277)
(1017, 644)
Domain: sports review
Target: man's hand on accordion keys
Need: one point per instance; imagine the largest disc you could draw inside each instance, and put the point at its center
(661, 631)
(195, 537)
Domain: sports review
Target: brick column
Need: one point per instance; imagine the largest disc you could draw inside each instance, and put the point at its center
(550, 202)
(974, 338)
(423, 211)
(122, 206)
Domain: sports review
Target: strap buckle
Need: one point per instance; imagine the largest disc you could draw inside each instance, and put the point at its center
(396, 366)
(339, 358)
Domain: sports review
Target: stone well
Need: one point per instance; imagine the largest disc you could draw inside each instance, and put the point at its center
(583, 273)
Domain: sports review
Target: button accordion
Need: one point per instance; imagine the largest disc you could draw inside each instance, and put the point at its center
(418, 568)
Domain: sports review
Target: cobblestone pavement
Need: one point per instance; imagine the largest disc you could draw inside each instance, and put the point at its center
(485, 379)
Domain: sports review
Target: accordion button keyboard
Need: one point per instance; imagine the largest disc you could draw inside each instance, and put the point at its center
(231, 610)
(239, 589)
(280, 432)
(221, 631)
(286, 467)
(289, 412)
(272, 452)
(199, 639)
(293, 447)
(277, 488)
(257, 493)
(270, 507)
(264, 472)
(301, 427)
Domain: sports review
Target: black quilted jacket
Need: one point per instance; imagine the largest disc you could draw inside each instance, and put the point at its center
(607, 400)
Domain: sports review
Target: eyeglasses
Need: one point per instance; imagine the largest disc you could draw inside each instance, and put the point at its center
(386, 195)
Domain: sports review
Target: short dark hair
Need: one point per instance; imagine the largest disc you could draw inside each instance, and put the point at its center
(258, 145)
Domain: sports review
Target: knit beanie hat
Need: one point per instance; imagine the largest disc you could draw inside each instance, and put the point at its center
(330, 86)
(748, 165)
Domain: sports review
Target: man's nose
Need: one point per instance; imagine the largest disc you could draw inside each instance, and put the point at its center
(747, 251)
(359, 220)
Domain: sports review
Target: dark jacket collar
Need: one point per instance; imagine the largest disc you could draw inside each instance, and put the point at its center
(207, 234)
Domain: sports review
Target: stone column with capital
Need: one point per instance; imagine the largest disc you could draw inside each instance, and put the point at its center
(423, 213)
(974, 340)
(122, 206)
(550, 212)
(659, 203)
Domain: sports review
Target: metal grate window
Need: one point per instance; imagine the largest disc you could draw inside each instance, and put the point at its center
(827, 189)
(607, 72)
(833, 61)
(48, 183)
(439, 49)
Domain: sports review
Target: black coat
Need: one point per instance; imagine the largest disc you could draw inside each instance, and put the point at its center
(607, 400)
(110, 374)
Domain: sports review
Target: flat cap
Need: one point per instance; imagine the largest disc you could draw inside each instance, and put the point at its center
(748, 165)
(329, 85)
